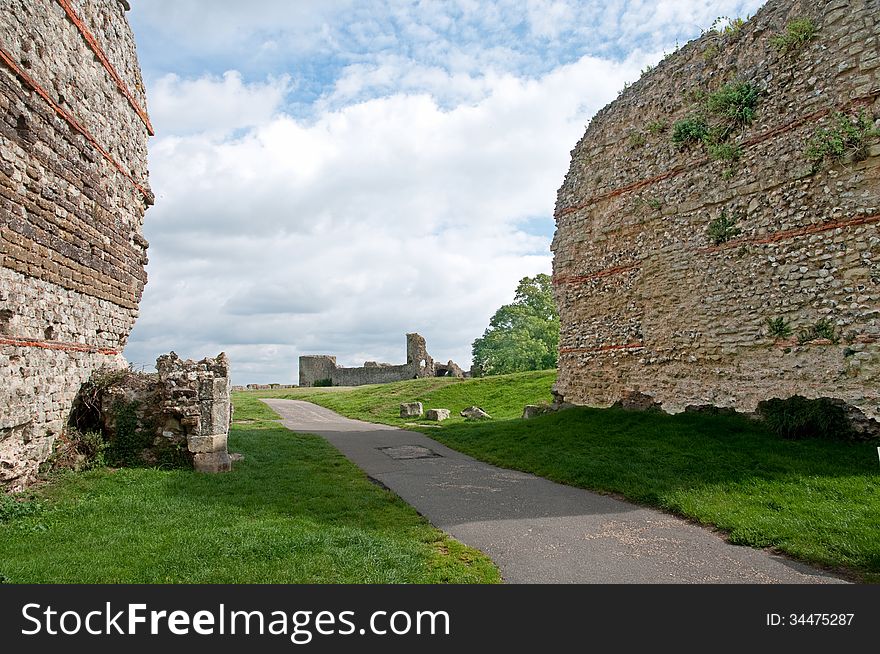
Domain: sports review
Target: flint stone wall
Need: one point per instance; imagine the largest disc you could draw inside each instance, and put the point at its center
(72, 203)
(648, 303)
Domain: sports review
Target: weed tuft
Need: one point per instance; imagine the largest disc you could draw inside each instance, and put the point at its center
(723, 228)
(846, 138)
(689, 131)
(823, 328)
(778, 327)
(657, 127)
(734, 104)
(797, 33)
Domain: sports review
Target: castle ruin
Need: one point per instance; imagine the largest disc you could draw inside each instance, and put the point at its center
(745, 266)
(321, 370)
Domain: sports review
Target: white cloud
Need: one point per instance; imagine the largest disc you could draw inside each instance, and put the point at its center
(339, 235)
(547, 18)
(210, 103)
(398, 200)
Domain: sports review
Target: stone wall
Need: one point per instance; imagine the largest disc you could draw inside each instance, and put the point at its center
(649, 302)
(323, 368)
(73, 191)
(197, 407)
(179, 415)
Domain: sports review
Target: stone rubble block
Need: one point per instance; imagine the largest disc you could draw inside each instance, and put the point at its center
(474, 413)
(207, 444)
(437, 415)
(212, 462)
(411, 410)
(204, 416)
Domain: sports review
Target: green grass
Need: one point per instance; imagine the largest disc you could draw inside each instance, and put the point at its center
(501, 396)
(294, 511)
(816, 500)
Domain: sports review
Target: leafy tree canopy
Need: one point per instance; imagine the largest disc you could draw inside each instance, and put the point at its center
(523, 335)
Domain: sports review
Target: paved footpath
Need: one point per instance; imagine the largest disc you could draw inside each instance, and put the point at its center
(538, 531)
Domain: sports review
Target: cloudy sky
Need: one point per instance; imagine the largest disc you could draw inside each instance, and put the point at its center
(331, 174)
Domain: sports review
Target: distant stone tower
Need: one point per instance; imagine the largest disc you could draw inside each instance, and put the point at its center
(73, 192)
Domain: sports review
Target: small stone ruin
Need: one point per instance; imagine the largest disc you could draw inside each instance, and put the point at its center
(197, 406)
(180, 413)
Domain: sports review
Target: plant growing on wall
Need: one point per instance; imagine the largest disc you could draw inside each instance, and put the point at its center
(731, 107)
(650, 202)
(797, 33)
(824, 328)
(657, 127)
(723, 228)
(846, 137)
(734, 105)
(636, 140)
(725, 151)
(778, 327)
(689, 131)
(131, 437)
(725, 26)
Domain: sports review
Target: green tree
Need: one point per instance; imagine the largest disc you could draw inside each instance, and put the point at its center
(523, 335)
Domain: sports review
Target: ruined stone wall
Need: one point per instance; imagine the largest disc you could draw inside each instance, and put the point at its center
(317, 368)
(649, 302)
(73, 191)
(197, 407)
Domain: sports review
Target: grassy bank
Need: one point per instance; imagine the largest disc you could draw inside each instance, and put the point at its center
(816, 500)
(503, 397)
(294, 511)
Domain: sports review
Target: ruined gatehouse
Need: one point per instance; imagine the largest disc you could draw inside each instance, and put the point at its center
(321, 370)
(703, 262)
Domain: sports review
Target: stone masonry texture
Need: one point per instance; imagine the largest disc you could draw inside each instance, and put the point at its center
(197, 406)
(73, 192)
(650, 303)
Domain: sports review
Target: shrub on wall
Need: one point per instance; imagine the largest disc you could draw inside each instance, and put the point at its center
(734, 104)
(723, 228)
(797, 33)
(846, 137)
(689, 131)
(798, 417)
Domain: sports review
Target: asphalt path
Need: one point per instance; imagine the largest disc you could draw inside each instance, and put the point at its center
(538, 531)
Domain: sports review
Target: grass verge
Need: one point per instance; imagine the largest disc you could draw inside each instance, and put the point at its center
(816, 500)
(294, 511)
